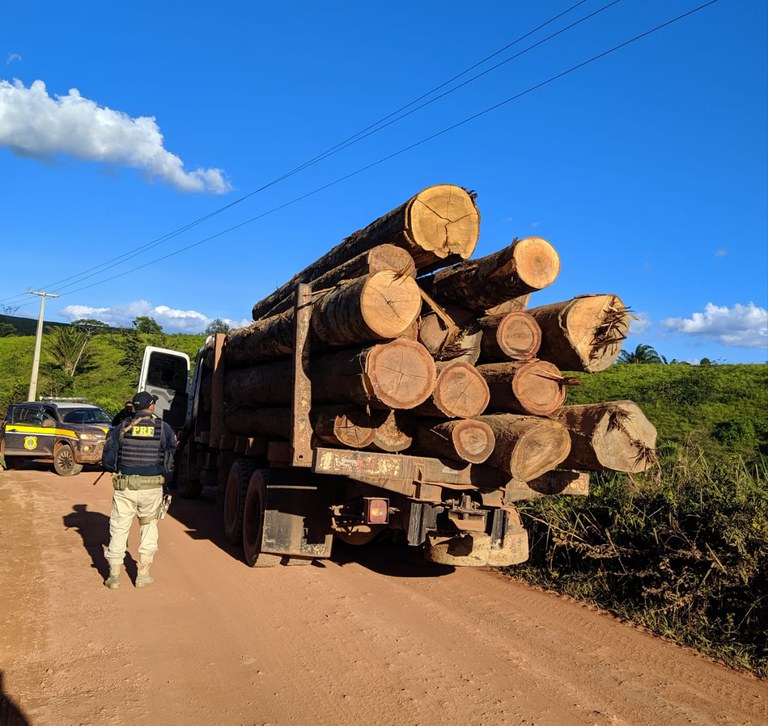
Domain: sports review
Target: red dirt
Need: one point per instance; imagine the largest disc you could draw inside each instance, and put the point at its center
(377, 639)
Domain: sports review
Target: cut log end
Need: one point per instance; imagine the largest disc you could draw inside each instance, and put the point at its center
(390, 303)
(444, 220)
(400, 374)
(537, 262)
(473, 441)
(460, 391)
(538, 386)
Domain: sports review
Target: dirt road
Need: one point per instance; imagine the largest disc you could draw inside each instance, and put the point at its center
(377, 639)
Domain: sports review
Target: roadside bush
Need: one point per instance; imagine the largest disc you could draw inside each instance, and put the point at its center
(682, 550)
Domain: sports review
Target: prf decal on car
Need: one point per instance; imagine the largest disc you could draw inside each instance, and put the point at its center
(30, 442)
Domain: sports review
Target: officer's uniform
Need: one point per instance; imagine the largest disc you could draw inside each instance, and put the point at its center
(140, 453)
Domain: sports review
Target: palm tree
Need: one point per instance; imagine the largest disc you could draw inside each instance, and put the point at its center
(641, 354)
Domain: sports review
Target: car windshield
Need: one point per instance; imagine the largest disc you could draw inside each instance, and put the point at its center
(86, 416)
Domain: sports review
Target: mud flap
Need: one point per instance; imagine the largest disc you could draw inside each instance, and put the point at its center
(297, 520)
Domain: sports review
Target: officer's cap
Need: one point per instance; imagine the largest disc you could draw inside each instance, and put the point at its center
(143, 400)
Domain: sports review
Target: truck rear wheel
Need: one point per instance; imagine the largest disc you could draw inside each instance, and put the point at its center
(234, 499)
(187, 480)
(253, 522)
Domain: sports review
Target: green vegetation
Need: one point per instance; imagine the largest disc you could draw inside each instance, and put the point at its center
(103, 380)
(681, 549)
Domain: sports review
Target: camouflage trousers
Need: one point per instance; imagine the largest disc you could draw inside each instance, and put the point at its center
(127, 504)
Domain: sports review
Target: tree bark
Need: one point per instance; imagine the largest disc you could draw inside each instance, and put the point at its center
(339, 425)
(397, 374)
(438, 225)
(514, 336)
(379, 306)
(461, 440)
(582, 334)
(514, 305)
(614, 435)
(452, 335)
(377, 259)
(460, 392)
(525, 266)
(534, 387)
(527, 446)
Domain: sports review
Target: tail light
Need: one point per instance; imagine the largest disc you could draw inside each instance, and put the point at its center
(376, 511)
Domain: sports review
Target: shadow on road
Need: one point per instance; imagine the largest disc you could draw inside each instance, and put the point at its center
(93, 528)
(204, 520)
(10, 713)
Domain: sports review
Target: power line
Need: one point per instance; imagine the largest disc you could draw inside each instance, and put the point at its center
(405, 149)
(364, 133)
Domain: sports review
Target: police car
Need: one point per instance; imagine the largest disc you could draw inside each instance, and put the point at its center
(68, 433)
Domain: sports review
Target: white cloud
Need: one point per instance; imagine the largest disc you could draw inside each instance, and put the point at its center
(640, 323)
(171, 319)
(42, 127)
(721, 253)
(743, 326)
(12, 57)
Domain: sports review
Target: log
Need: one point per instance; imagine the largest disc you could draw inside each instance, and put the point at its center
(461, 440)
(451, 334)
(583, 334)
(535, 387)
(375, 307)
(514, 336)
(515, 305)
(341, 425)
(460, 392)
(397, 374)
(615, 435)
(527, 446)
(440, 224)
(393, 430)
(377, 259)
(525, 266)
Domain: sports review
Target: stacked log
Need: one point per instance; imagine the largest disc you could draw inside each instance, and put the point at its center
(414, 348)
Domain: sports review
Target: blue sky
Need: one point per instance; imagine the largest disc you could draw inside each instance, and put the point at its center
(647, 169)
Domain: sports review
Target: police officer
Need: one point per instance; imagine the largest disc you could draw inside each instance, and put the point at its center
(123, 413)
(140, 453)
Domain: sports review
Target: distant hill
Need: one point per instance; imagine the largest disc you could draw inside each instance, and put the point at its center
(26, 326)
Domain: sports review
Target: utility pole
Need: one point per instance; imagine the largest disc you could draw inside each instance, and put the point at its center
(38, 343)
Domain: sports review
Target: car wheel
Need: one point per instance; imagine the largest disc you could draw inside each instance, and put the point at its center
(64, 463)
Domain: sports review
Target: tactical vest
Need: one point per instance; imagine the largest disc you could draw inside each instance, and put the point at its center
(140, 447)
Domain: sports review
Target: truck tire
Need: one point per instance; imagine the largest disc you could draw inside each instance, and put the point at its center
(234, 499)
(64, 463)
(253, 522)
(186, 479)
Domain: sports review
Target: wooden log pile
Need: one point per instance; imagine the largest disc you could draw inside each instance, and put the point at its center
(417, 348)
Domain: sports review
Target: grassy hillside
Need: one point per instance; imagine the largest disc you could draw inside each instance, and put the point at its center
(103, 380)
(724, 405)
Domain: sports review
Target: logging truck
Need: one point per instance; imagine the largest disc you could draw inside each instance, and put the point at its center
(396, 386)
(287, 493)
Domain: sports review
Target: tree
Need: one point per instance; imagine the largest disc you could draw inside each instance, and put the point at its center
(217, 326)
(144, 324)
(10, 309)
(89, 326)
(68, 348)
(641, 354)
(7, 329)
